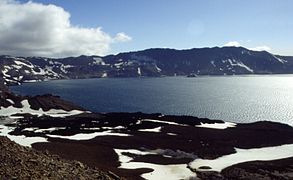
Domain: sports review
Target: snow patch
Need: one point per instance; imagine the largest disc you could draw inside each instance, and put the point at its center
(32, 80)
(216, 125)
(9, 100)
(213, 63)
(118, 65)
(157, 129)
(279, 59)
(10, 110)
(170, 172)
(172, 134)
(23, 64)
(98, 61)
(234, 62)
(37, 130)
(165, 122)
(104, 75)
(157, 68)
(244, 155)
(139, 71)
(84, 136)
(21, 140)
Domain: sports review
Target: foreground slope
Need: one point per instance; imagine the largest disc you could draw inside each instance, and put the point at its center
(18, 162)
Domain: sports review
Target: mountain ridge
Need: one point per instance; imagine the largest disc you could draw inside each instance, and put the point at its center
(153, 62)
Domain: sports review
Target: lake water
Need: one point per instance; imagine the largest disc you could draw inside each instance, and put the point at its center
(230, 98)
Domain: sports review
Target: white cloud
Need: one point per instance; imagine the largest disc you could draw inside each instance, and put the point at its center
(237, 44)
(232, 43)
(122, 37)
(34, 29)
(261, 48)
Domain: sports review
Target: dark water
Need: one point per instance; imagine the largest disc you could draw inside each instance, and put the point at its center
(232, 98)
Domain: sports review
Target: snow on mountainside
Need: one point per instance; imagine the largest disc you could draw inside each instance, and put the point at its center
(150, 62)
(16, 70)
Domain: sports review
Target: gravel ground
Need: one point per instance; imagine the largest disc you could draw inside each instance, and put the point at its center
(18, 162)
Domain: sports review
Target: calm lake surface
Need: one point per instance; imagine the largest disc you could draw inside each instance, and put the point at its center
(230, 98)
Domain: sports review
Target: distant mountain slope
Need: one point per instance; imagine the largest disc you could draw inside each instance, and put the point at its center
(150, 62)
(211, 61)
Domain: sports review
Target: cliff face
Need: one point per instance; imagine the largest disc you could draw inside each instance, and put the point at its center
(18, 162)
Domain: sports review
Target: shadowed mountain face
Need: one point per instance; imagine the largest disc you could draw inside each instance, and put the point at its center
(150, 62)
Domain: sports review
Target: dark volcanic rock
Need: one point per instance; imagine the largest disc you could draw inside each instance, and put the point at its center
(48, 101)
(279, 169)
(17, 162)
(259, 170)
(204, 142)
(45, 102)
(179, 141)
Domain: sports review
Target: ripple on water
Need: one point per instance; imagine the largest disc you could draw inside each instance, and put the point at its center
(236, 98)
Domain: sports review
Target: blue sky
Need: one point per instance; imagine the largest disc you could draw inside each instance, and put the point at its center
(187, 24)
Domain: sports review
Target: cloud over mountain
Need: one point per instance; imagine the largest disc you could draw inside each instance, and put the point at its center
(261, 48)
(34, 29)
(232, 43)
(237, 44)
